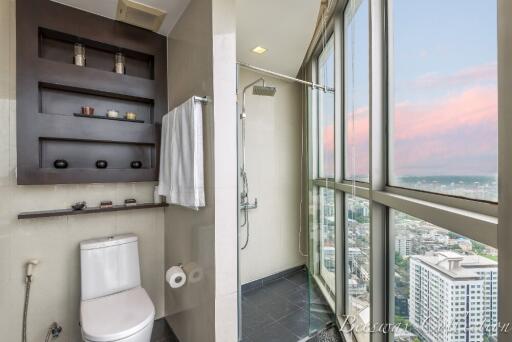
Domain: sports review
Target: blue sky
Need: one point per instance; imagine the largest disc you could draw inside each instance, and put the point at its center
(443, 105)
(443, 37)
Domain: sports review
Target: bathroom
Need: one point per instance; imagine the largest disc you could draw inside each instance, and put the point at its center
(65, 62)
(222, 170)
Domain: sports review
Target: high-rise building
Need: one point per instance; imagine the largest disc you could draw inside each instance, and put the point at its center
(453, 297)
(403, 245)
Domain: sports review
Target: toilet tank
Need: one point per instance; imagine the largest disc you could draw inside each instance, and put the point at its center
(109, 265)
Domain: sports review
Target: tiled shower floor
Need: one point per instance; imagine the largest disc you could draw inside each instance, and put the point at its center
(284, 310)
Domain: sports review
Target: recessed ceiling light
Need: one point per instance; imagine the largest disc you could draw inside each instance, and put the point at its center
(259, 49)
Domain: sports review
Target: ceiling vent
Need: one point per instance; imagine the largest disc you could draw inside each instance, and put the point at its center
(135, 13)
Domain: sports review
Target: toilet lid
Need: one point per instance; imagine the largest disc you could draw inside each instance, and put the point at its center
(117, 316)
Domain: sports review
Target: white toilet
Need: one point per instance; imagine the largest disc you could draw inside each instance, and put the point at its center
(114, 306)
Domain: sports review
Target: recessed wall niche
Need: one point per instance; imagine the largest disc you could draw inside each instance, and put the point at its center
(51, 90)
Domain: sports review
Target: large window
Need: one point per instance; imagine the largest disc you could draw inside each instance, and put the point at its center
(357, 223)
(446, 285)
(356, 91)
(427, 100)
(326, 112)
(443, 104)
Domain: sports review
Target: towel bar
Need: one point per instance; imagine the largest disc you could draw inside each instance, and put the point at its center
(203, 99)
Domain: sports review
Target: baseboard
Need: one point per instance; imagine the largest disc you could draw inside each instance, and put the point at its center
(256, 284)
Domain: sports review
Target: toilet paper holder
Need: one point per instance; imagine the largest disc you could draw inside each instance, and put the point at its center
(176, 276)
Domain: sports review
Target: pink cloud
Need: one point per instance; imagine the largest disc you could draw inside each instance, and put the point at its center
(454, 135)
(473, 75)
(328, 150)
(357, 143)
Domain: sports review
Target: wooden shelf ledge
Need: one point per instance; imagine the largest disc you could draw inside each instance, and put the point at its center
(92, 210)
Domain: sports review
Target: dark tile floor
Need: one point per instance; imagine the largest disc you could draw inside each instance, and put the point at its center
(162, 332)
(283, 310)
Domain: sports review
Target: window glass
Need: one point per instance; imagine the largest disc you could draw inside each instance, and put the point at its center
(357, 129)
(445, 284)
(443, 97)
(327, 237)
(326, 112)
(358, 259)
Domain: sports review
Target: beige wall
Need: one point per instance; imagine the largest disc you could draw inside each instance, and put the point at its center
(207, 310)
(226, 170)
(273, 131)
(55, 294)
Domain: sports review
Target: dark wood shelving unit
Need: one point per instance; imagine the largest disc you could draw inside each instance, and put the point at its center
(92, 210)
(106, 118)
(51, 89)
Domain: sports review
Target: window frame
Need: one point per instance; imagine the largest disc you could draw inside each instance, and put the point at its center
(343, 109)
(323, 54)
(315, 164)
(472, 218)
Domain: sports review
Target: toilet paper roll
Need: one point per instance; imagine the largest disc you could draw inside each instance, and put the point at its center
(176, 277)
(194, 272)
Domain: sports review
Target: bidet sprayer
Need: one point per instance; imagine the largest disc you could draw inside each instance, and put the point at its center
(30, 266)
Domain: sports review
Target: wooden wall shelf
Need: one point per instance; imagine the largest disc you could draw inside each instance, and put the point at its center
(50, 88)
(105, 118)
(93, 210)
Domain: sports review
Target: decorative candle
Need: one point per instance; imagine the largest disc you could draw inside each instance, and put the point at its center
(130, 116)
(120, 62)
(112, 113)
(79, 55)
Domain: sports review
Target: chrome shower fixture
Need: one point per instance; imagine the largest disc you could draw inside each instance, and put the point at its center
(263, 90)
(256, 90)
(245, 204)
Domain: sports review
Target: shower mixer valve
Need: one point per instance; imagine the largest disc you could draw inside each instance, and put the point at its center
(245, 204)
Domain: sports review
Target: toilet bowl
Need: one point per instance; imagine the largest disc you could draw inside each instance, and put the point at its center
(127, 316)
(114, 306)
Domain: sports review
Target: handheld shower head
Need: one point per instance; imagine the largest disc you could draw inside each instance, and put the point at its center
(263, 90)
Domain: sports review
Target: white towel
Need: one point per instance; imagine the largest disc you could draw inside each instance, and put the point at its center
(181, 156)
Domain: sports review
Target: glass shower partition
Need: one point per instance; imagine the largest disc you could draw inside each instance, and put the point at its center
(322, 206)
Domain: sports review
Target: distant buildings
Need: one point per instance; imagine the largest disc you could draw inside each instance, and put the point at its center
(403, 245)
(453, 296)
(356, 288)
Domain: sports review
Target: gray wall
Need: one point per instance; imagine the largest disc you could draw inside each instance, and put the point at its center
(189, 234)
(55, 292)
(273, 154)
(206, 311)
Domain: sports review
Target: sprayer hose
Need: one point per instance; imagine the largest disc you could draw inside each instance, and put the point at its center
(25, 309)
(48, 335)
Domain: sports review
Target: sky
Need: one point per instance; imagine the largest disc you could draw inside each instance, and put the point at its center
(443, 109)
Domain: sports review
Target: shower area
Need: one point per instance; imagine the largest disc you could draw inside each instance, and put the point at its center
(280, 299)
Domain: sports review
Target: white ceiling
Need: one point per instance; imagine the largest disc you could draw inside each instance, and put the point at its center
(108, 8)
(283, 27)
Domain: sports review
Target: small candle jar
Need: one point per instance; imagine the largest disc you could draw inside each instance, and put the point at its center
(130, 116)
(114, 114)
(79, 58)
(87, 110)
(119, 63)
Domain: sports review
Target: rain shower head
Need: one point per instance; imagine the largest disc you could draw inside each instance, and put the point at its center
(256, 90)
(263, 90)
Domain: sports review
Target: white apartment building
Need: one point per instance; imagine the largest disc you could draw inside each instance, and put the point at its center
(453, 296)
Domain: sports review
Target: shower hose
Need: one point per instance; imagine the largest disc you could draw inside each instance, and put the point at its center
(51, 330)
(25, 309)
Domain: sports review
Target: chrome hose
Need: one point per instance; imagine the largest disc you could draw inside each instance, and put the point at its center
(25, 309)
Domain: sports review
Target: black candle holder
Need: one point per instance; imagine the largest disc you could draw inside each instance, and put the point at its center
(60, 164)
(101, 164)
(136, 164)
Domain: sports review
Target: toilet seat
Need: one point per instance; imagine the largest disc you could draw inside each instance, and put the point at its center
(116, 316)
